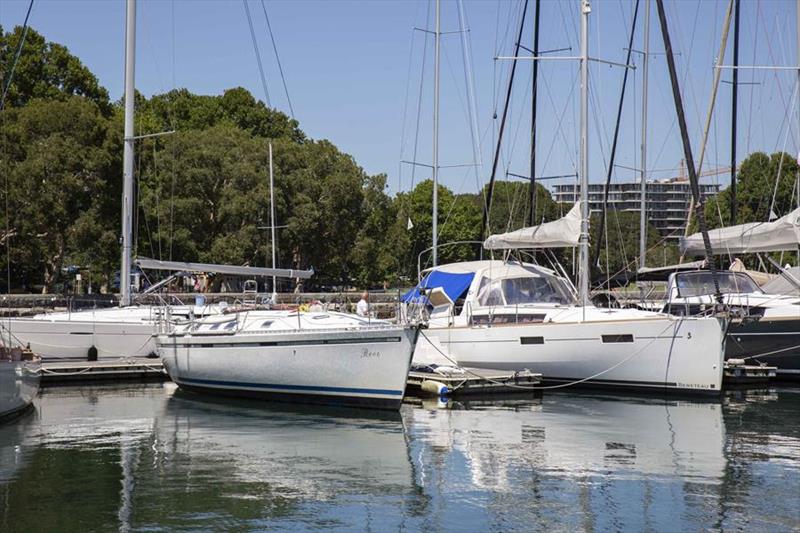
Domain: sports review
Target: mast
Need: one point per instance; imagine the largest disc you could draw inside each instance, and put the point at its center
(534, 87)
(583, 290)
(437, 45)
(643, 183)
(272, 224)
(687, 148)
(127, 162)
(734, 101)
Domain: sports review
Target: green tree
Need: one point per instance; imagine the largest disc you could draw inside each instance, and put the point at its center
(57, 158)
(757, 176)
(46, 70)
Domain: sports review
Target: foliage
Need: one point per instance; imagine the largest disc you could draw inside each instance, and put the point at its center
(46, 70)
(756, 179)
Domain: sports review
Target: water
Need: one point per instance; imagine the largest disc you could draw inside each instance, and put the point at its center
(149, 458)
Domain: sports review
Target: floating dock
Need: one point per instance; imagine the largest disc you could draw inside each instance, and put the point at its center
(118, 370)
(471, 381)
(735, 372)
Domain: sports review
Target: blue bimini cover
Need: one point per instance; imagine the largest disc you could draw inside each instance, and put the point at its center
(453, 285)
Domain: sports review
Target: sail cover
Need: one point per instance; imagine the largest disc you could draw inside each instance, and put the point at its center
(779, 235)
(562, 233)
(452, 284)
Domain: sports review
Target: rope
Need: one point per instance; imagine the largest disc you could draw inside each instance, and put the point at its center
(17, 53)
(548, 387)
(256, 50)
(278, 59)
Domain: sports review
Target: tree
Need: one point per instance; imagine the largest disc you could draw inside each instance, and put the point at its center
(757, 176)
(57, 158)
(46, 70)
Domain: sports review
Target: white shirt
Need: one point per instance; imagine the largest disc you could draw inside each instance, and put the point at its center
(362, 308)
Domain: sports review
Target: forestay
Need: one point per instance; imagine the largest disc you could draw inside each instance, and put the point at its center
(780, 235)
(562, 233)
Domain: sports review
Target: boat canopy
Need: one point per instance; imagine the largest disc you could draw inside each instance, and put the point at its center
(562, 233)
(780, 235)
(453, 284)
(233, 270)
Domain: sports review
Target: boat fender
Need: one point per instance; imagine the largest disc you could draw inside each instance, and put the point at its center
(735, 362)
(434, 388)
(92, 353)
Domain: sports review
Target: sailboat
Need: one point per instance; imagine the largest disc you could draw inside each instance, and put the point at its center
(19, 380)
(127, 330)
(516, 315)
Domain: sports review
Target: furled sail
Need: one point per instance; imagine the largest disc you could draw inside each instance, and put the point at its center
(562, 233)
(779, 235)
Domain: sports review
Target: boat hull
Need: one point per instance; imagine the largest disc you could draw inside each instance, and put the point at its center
(663, 354)
(73, 339)
(778, 337)
(19, 385)
(345, 367)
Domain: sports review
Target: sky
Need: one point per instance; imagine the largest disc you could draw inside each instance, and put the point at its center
(354, 70)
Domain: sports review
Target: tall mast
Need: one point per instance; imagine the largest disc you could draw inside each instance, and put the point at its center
(687, 148)
(734, 101)
(437, 45)
(583, 291)
(127, 162)
(534, 87)
(272, 224)
(643, 183)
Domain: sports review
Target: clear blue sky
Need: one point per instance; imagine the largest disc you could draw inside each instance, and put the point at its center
(348, 65)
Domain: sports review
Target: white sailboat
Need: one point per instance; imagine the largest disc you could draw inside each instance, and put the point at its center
(300, 357)
(295, 356)
(515, 316)
(19, 380)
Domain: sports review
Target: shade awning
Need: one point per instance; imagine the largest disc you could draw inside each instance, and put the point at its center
(233, 270)
(777, 236)
(562, 233)
(453, 285)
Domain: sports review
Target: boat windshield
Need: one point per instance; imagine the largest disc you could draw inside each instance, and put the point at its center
(523, 290)
(702, 283)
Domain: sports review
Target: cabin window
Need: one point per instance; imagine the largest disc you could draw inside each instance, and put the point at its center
(215, 326)
(230, 325)
(702, 283)
(617, 338)
(531, 340)
(490, 293)
(267, 323)
(320, 317)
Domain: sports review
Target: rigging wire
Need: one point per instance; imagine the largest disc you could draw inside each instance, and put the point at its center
(257, 52)
(277, 58)
(8, 80)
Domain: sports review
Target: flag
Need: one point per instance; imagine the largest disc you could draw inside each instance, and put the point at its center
(410, 224)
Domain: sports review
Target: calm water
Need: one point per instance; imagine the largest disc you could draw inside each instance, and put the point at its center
(148, 458)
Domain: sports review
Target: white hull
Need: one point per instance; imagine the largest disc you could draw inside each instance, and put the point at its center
(348, 366)
(72, 339)
(114, 332)
(659, 353)
(19, 384)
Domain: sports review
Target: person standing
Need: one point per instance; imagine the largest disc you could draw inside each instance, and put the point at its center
(362, 307)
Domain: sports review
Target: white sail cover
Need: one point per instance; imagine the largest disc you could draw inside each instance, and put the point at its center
(562, 233)
(779, 235)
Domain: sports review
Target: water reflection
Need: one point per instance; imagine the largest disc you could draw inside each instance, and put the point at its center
(136, 458)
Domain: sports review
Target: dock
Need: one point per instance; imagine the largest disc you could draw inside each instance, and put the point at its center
(111, 370)
(735, 372)
(471, 381)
